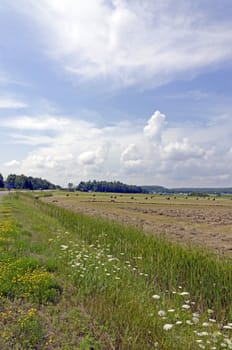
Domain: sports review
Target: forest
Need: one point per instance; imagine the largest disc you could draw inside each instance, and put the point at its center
(25, 182)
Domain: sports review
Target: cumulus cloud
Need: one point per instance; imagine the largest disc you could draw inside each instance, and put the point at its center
(91, 158)
(155, 126)
(78, 150)
(131, 42)
(130, 157)
(183, 150)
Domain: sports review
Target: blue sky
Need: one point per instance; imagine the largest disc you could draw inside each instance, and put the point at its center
(136, 91)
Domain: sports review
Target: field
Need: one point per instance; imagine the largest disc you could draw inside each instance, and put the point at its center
(202, 221)
(72, 281)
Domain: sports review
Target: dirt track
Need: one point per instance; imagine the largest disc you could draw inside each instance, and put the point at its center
(204, 223)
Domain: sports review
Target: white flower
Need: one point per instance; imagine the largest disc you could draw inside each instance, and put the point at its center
(189, 322)
(171, 310)
(156, 296)
(167, 326)
(202, 334)
(195, 320)
(227, 327)
(184, 293)
(63, 246)
(161, 313)
(179, 322)
(186, 306)
(205, 324)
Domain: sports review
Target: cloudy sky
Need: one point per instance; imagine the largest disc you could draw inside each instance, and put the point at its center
(128, 90)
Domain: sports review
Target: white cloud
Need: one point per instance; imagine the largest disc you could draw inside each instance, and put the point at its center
(11, 103)
(130, 157)
(132, 42)
(36, 123)
(12, 163)
(183, 150)
(91, 158)
(155, 126)
(77, 150)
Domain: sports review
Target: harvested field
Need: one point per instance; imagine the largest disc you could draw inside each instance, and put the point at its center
(204, 222)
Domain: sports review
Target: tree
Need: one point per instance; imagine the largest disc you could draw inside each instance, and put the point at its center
(105, 186)
(70, 186)
(10, 181)
(1, 181)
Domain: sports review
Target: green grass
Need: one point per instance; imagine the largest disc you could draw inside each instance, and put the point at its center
(128, 288)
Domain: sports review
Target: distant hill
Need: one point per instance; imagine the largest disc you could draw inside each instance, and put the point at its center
(189, 190)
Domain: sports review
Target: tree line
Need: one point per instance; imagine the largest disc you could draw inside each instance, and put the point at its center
(108, 186)
(25, 182)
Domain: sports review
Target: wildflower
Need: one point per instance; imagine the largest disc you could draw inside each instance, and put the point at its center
(184, 293)
(171, 310)
(161, 313)
(205, 324)
(156, 296)
(195, 320)
(227, 327)
(189, 322)
(202, 334)
(229, 343)
(179, 322)
(63, 246)
(185, 306)
(167, 326)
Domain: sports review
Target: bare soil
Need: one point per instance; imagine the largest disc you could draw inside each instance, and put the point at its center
(203, 222)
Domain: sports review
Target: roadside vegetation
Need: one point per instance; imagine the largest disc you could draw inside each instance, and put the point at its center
(69, 281)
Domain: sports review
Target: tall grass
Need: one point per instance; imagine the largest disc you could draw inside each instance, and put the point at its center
(136, 286)
(168, 265)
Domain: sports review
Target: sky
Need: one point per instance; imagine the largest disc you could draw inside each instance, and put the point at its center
(117, 90)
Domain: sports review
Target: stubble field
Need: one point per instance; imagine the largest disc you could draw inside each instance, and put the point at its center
(201, 221)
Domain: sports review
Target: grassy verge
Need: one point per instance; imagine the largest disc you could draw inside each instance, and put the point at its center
(38, 310)
(136, 292)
